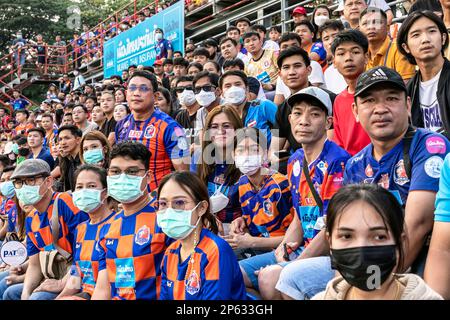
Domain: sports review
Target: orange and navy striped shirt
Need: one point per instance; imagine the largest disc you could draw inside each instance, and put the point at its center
(269, 211)
(213, 275)
(38, 225)
(131, 250)
(327, 176)
(162, 135)
(87, 254)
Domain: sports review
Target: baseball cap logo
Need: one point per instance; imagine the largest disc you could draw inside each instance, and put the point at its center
(379, 74)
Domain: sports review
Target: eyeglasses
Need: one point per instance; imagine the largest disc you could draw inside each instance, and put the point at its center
(31, 181)
(206, 88)
(181, 89)
(141, 88)
(224, 126)
(129, 172)
(178, 204)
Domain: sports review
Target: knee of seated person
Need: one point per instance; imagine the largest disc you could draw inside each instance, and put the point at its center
(267, 280)
(247, 280)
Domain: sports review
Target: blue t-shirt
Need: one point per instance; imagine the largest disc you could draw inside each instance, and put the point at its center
(162, 48)
(19, 104)
(427, 153)
(442, 213)
(261, 115)
(46, 156)
(12, 219)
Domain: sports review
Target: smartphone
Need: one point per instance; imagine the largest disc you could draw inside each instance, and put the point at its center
(289, 253)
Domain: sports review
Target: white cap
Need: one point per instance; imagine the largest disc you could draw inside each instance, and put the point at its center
(312, 92)
(339, 8)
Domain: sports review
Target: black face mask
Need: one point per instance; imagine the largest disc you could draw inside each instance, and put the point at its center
(359, 265)
(23, 152)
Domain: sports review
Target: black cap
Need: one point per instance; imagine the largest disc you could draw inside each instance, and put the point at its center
(379, 75)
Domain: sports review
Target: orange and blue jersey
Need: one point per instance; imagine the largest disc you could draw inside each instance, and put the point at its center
(5, 206)
(213, 275)
(162, 135)
(38, 225)
(12, 218)
(269, 211)
(426, 153)
(327, 176)
(86, 255)
(131, 249)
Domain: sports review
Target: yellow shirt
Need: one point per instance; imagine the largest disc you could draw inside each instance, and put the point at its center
(389, 56)
(264, 69)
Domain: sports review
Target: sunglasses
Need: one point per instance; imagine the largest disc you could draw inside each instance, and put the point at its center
(181, 89)
(206, 88)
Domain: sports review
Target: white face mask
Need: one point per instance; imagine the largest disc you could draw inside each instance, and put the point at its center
(158, 36)
(320, 20)
(218, 201)
(187, 98)
(205, 98)
(248, 165)
(235, 95)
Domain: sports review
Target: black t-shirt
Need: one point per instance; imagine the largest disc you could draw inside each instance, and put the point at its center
(283, 125)
(69, 165)
(108, 127)
(188, 123)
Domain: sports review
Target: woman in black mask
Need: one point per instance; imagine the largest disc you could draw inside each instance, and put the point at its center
(365, 230)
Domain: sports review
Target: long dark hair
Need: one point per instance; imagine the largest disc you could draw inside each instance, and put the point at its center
(192, 185)
(383, 201)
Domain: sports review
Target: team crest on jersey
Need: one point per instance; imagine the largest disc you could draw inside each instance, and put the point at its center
(384, 181)
(323, 166)
(142, 236)
(400, 176)
(267, 206)
(149, 132)
(369, 171)
(193, 283)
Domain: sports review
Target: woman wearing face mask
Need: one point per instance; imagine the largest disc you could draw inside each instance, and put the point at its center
(95, 149)
(264, 195)
(215, 165)
(91, 197)
(368, 255)
(12, 277)
(199, 265)
(321, 14)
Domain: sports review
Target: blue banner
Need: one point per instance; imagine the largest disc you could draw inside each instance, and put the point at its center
(137, 46)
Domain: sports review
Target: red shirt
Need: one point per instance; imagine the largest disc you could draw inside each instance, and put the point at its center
(348, 133)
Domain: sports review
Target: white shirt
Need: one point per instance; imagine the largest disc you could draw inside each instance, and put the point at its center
(380, 4)
(429, 103)
(316, 77)
(334, 81)
(243, 57)
(271, 45)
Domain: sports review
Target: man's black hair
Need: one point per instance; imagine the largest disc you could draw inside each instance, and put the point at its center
(213, 77)
(293, 51)
(354, 36)
(74, 130)
(147, 75)
(234, 63)
(237, 73)
(133, 150)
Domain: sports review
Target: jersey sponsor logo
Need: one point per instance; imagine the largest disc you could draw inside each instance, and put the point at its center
(125, 274)
(436, 145)
(369, 171)
(169, 283)
(400, 176)
(323, 166)
(193, 283)
(149, 132)
(135, 134)
(384, 181)
(338, 179)
(267, 206)
(296, 168)
(142, 236)
(78, 245)
(433, 166)
(110, 242)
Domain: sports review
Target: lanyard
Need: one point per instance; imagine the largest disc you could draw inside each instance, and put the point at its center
(311, 186)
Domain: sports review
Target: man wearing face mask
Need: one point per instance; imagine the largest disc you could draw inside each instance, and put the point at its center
(163, 48)
(258, 114)
(207, 92)
(6, 192)
(131, 250)
(33, 186)
(189, 118)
